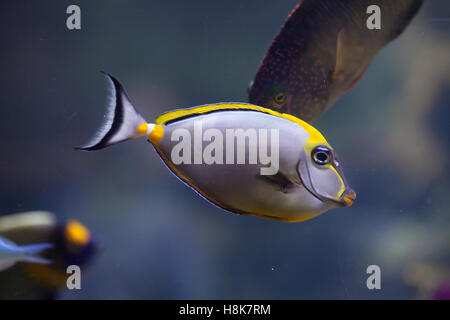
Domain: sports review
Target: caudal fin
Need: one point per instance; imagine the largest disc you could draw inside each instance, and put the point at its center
(33, 249)
(30, 252)
(33, 259)
(121, 119)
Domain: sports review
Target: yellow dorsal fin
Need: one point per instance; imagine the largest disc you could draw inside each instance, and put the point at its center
(315, 135)
(199, 110)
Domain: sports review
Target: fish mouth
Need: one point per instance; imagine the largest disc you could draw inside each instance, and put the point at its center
(348, 199)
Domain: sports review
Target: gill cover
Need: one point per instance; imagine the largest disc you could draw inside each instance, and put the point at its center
(324, 181)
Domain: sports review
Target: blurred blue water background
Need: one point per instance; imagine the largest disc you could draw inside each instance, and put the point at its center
(161, 240)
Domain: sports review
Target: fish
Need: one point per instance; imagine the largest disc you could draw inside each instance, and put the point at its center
(10, 253)
(222, 152)
(321, 52)
(72, 244)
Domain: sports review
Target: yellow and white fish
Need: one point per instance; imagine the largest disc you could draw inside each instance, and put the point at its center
(222, 152)
(70, 241)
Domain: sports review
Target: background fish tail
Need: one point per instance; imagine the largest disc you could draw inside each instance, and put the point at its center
(30, 252)
(33, 249)
(34, 259)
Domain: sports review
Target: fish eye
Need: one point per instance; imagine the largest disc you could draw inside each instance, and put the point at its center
(280, 97)
(321, 155)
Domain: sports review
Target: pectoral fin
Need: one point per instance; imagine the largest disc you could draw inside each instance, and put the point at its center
(352, 60)
(278, 181)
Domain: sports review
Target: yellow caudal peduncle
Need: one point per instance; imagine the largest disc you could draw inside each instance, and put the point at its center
(142, 129)
(155, 132)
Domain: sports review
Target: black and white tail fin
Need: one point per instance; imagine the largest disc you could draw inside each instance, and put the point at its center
(121, 119)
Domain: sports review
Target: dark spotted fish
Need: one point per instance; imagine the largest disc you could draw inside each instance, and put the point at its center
(322, 50)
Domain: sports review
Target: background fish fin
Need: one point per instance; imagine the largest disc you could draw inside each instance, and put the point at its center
(7, 243)
(120, 121)
(34, 259)
(352, 60)
(30, 252)
(35, 248)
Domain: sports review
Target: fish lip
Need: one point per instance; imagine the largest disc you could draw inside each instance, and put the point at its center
(348, 199)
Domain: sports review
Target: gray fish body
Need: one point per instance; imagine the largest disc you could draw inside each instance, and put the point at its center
(241, 188)
(244, 158)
